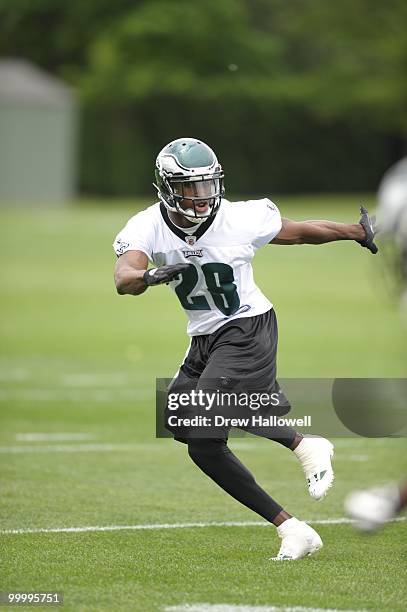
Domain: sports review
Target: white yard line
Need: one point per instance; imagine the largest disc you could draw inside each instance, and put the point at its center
(163, 443)
(49, 437)
(101, 528)
(120, 446)
(16, 375)
(68, 448)
(95, 380)
(358, 458)
(71, 394)
(361, 442)
(205, 607)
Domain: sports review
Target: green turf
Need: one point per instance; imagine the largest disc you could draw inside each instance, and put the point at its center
(75, 357)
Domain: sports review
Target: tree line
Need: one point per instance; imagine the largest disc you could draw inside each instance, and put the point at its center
(295, 95)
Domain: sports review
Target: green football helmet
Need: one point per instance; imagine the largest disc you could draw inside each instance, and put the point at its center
(187, 169)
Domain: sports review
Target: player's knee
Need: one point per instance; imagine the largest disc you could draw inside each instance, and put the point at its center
(206, 447)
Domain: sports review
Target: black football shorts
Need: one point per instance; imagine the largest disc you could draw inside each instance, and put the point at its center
(240, 357)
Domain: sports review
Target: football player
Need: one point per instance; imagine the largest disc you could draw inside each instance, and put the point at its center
(202, 245)
(373, 508)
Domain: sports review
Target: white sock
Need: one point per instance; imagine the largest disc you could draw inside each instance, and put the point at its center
(300, 449)
(287, 526)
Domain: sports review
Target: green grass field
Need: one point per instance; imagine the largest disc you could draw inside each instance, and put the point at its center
(79, 362)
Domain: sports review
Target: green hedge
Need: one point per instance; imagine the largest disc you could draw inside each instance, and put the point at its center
(263, 149)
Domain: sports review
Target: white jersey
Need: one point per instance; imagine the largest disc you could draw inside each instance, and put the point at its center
(218, 286)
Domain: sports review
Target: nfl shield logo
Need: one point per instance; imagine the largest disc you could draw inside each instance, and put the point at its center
(190, 240)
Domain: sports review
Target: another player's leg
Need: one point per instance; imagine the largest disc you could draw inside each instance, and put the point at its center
(373, 508)
(217, 461)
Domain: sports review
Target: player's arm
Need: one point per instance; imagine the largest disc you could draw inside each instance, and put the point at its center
(317, 232)
(132, 277)
(129, 272)
(321, 232)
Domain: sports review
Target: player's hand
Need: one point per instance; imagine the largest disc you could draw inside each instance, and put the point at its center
(368, 224)
(163, 274)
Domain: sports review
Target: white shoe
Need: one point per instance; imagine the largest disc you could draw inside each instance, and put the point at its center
(315, 457)
(298, 540)
(373, 508)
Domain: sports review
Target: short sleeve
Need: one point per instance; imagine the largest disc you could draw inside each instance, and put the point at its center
(267, 222)
(137, 235)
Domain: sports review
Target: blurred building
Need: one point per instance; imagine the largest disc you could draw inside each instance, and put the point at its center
(38, 135)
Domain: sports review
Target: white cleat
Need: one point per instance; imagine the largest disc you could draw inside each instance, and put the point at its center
(315, 457)
(373, 508)
(298, 540)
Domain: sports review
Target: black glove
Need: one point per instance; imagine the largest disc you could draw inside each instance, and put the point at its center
(163, 274)
(367, 222)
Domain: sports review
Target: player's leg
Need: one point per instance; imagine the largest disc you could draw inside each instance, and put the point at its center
(212, 455)
(246, 350)
(216, 460)
(231, 354)
(314, 453)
